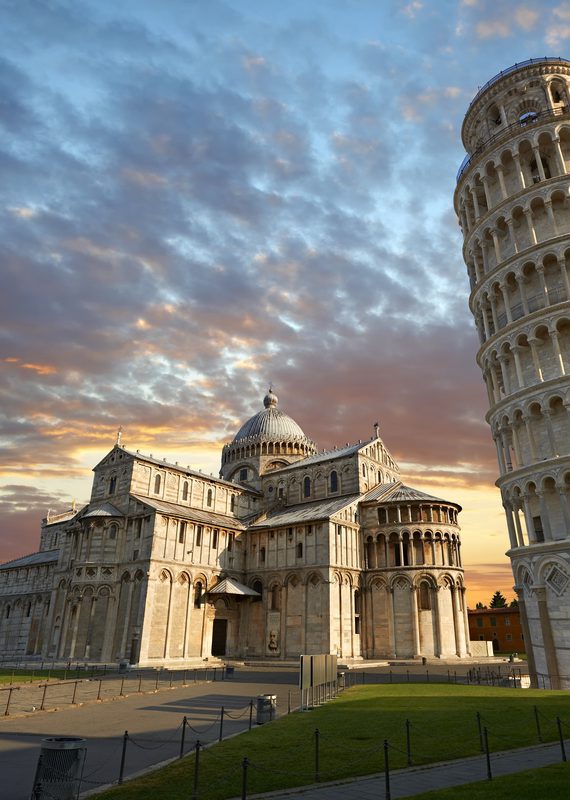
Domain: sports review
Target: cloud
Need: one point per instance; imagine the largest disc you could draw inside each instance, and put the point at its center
(526, 18)
(190, 211)
(493, 28)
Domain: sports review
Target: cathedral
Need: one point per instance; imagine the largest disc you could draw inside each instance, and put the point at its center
(290, 551)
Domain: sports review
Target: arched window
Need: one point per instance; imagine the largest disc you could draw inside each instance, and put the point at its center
(257, 586)
(334, 481)
(275, 598)
(299, 549)
(356, 602)
(198, 591)
(185, 490)
(215, 536)
(209, 499)
(113, 484)
(424, 597)
(262, 555)
(157, 484)
(112, 532)
(233, 503)
(307, 487)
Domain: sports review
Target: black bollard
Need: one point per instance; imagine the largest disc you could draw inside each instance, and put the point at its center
(221, 734)
(123, 756)
(182, 737)
(487, 754)
(408, 743)
(480, 727)
(537, 720)
(196, 770)
(317, 772)
(386, 771)
(244, 765)
(562, 748)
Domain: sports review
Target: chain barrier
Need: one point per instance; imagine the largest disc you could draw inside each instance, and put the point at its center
(215, 724)
(162, 742)
(239, 716)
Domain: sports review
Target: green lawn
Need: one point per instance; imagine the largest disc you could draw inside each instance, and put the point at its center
(442, 721)
(16, 676)
(534, 784)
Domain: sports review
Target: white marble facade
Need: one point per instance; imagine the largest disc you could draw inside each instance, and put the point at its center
(512, 200)
(290, 551)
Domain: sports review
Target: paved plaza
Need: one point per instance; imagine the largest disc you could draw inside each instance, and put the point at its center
(154, 721)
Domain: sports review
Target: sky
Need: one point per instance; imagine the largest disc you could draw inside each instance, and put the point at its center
(199, 199)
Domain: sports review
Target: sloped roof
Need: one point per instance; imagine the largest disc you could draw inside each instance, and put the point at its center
(42, 557)
(399, 493)
(193, 514)
(231, 586)
(103, 510)
(305, 512)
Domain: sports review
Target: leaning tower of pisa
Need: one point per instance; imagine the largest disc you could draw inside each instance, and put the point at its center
(512, 200)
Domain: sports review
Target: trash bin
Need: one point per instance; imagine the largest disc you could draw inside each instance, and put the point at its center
(123, 665)
(229, 672)
(340, 681)
(266, 707)
(59, 768)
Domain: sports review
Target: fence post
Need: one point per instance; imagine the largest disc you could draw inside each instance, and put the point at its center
(481, 742)
(183, 736)
(562, 748)
(123, 756)
(196, 771)
(10, 690)
(156, 682)
(122, 686)
(74, 693)
(221, 725)
(99, 691)
(537, 720)
(244, 764)
(487, 755)
(427, 675)
(140, 682)
(408, 743)
(317, 773)
(386, 771)
(171, 676)
(184, 679)
(390, 676)
(289, 701)
(44, 698)
(250, 713)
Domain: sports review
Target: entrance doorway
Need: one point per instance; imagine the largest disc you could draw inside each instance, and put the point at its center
(219, 635)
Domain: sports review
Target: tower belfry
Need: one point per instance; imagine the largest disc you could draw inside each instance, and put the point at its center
(512, 201)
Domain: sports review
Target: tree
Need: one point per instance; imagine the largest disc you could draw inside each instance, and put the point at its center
(480, 605)
(514, 603)
(498, 601)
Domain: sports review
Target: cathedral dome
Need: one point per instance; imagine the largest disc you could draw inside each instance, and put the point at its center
(267, 441)
(271, 423)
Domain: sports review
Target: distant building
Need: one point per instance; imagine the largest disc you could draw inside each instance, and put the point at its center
(290, 551)
(501, 626)
(512, 203)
